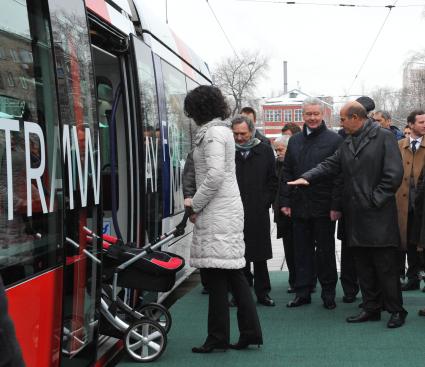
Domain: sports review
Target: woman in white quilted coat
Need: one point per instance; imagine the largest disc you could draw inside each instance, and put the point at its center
(218, 247)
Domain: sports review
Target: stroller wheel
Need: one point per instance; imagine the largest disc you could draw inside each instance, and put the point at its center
(158, 313)
(145, 340)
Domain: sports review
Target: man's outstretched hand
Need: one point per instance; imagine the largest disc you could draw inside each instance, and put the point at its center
(299, 182)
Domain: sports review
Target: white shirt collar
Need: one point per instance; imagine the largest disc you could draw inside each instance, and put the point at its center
(419, 140)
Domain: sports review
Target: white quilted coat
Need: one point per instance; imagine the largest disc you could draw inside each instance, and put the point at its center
(218, 231)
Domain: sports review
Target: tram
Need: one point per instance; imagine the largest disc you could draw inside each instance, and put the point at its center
(92, 135)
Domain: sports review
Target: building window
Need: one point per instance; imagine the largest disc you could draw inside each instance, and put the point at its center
(269, 115)
(298, 115)
(10, 80)
(24, 83)
(25, 55)
(14, 55)
(277, 115)
(287, 115)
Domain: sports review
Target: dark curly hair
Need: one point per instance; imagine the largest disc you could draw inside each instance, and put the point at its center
(205, 103)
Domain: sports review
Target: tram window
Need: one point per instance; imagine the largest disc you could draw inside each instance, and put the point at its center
(179, 139)
(30, 197)
(152, 145)
(104, 105)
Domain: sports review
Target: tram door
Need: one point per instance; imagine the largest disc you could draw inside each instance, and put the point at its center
(80, 143)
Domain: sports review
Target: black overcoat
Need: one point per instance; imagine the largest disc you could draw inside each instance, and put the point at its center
(257, 184)
(283, 222)
(304, 152)
(371, 173)
(10, 354)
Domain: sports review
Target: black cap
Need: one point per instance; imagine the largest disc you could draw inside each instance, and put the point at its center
(367, 103)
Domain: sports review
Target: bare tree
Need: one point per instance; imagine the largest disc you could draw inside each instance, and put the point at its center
(237, 77)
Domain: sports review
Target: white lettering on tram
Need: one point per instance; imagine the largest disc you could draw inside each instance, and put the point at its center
(8, 126)
(37, 172)
(176, 170)
(151, 161)
(71, 153)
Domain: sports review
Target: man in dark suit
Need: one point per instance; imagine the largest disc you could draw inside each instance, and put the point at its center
(372, 170)
(255, 172)
(10, 354)
(313, 210)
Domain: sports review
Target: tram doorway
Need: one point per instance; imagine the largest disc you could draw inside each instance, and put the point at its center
(114, 144)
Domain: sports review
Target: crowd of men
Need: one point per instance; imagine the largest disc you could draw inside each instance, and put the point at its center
(368, 178)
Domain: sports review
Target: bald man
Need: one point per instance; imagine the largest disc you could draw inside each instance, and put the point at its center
(372, 170)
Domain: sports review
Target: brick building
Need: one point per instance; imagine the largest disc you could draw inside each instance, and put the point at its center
(288, 108)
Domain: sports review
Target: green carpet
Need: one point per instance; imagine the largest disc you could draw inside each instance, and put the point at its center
(306, 336)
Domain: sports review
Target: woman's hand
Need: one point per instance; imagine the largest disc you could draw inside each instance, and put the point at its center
(188, 202)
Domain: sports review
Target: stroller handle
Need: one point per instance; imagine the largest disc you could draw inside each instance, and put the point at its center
(76, 245)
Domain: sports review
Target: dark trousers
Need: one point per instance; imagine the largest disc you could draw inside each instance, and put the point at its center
(10, 353)
(379, 278)
(348, 277)
(260, 279)
(288, 247)
(314, 239)
(217, 281)
(413, 260)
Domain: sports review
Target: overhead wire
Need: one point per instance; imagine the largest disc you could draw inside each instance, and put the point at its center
(222, 29)
(347, 5)
(371, 47)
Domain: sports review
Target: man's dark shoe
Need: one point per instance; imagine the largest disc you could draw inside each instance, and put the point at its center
(208, 348)
(397, 319)
(411, 285)
(299, 301)
(363, 317)
(348, 299)
(266, 301)
(232, 302)
(245, 343)
(329, 304)
(204, 291)
(290, 290)
(421, 312)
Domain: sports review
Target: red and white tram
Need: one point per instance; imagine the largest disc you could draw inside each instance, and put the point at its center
(77, 78)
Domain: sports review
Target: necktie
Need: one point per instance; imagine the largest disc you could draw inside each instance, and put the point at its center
(414, 146)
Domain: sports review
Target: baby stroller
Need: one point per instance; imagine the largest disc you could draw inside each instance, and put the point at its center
(143, 330)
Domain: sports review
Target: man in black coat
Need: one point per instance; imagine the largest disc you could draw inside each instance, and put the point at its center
(250, 113)
(348, 274)
(313, 210)
(372, 170)
(10, 354)
(255, 172)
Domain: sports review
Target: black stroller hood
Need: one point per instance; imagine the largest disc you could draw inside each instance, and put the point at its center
(155, 271)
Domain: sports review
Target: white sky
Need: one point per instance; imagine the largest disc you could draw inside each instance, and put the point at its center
(324, 45)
